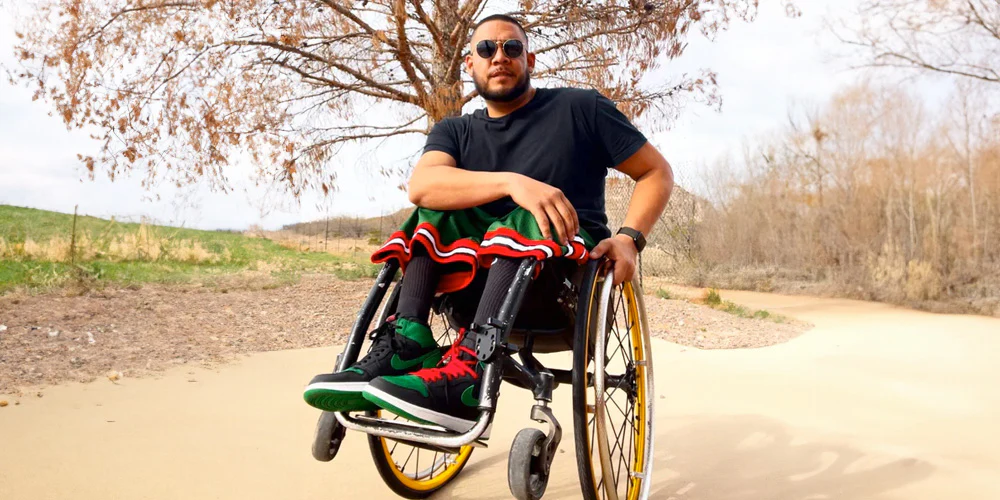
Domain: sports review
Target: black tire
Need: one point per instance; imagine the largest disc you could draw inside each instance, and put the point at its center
(526, 474)
(609, 458)
(328, 438)
(581, 359)
(399, 478)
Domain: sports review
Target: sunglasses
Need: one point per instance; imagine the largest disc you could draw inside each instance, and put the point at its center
(512, 48)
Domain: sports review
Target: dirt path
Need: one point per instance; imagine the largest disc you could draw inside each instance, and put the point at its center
(56, 337)
(873, 403)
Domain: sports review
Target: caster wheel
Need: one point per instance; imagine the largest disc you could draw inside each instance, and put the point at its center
(526, 474)
(329, 435)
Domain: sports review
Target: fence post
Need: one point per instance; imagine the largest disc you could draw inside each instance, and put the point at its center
(72, 239)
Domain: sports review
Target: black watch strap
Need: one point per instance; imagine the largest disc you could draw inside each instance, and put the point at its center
(637, 237)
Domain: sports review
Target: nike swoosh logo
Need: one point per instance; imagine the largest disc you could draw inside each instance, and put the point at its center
(469, 398)
(399, 363)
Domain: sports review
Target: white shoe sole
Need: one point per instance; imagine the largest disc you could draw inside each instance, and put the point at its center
(337, 386)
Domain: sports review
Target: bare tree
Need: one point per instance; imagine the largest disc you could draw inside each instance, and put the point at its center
(908, 210)
(179, 88)
(956, 37)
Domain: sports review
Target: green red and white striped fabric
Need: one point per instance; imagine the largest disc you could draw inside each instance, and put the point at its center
(465, 240)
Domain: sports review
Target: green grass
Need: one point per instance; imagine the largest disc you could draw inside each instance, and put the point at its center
(713, 299)
(357, 271)
(664, 294)
(735, 309)
(223, 255)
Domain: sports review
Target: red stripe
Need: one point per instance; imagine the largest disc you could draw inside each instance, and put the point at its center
(449, 282)
(454, 281)
(518, 237)
(459, 243)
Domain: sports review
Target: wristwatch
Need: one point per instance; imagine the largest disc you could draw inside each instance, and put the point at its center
(637, 237)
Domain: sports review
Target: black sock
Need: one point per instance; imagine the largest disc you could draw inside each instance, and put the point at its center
(498, 281)
(419, 283)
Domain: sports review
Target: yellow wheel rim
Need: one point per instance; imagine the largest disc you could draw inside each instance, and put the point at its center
(439, 470)
(638, 354)
(636, 339)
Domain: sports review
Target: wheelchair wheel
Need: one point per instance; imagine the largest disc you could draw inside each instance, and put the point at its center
(526, 473)
(413, 471)
(612, 390)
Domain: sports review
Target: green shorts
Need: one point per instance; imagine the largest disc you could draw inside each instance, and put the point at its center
(466, 240)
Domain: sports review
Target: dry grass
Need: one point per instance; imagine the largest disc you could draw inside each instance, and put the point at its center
(870, 198)
(345, 247)
(143, 245)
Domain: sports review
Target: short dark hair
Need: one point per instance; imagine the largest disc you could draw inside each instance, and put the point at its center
(501, 17)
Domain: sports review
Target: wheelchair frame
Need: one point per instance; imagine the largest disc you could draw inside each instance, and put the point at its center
(494, 349)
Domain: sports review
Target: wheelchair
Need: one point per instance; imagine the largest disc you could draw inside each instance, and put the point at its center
(611, 378)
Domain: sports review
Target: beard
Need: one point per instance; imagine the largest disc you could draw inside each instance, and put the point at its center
(503, 95)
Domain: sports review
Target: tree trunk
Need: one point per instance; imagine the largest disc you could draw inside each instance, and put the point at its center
(447, 85)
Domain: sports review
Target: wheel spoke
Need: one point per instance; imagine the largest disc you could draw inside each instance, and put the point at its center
(631, 448)
(620, 446)
(620, 410)
(408, 457)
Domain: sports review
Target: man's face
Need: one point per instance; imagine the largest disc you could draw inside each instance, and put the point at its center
(499, 78)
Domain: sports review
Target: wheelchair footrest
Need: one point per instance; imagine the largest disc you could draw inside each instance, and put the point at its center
(418, 434)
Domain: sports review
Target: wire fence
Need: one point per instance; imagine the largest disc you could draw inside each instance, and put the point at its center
(671, 243)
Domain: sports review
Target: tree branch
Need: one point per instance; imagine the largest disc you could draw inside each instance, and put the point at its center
(389, 92)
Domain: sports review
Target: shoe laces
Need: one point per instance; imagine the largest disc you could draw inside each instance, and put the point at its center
(384, 341)
(453, 364)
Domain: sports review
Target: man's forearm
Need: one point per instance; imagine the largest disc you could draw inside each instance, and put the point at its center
(649, 199)
(442, 187)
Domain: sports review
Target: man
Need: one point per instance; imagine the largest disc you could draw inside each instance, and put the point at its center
(524, 177)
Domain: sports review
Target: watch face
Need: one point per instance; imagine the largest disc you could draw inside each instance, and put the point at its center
(637, 238)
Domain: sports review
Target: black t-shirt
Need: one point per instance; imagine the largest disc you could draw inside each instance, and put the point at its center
(567, 138)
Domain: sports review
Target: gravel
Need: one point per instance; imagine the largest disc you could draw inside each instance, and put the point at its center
(118, 333)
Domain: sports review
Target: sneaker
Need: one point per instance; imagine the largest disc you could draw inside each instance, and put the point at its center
(398, 347)
(447, 395)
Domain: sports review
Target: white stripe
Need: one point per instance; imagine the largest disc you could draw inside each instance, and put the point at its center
(467, 251)
(338, 386)
(507, 242)
(406, 249)
(447, 421)
(393, 241)
(570, 246)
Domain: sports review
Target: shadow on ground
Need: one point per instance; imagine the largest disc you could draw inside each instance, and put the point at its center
(746, 457)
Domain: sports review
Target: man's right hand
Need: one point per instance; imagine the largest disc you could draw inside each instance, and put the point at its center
(548, 204)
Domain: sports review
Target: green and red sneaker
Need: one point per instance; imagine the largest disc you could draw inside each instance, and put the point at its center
(447, 395)
(398, 347)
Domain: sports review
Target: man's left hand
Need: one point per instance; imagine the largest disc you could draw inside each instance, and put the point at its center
(621, 250)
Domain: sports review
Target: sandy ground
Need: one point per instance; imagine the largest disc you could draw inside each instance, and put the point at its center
(873, 403)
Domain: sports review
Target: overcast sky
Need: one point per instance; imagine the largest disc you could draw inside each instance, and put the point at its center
(763, 67)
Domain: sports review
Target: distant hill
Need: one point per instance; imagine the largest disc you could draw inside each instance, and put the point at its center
(351, 227)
